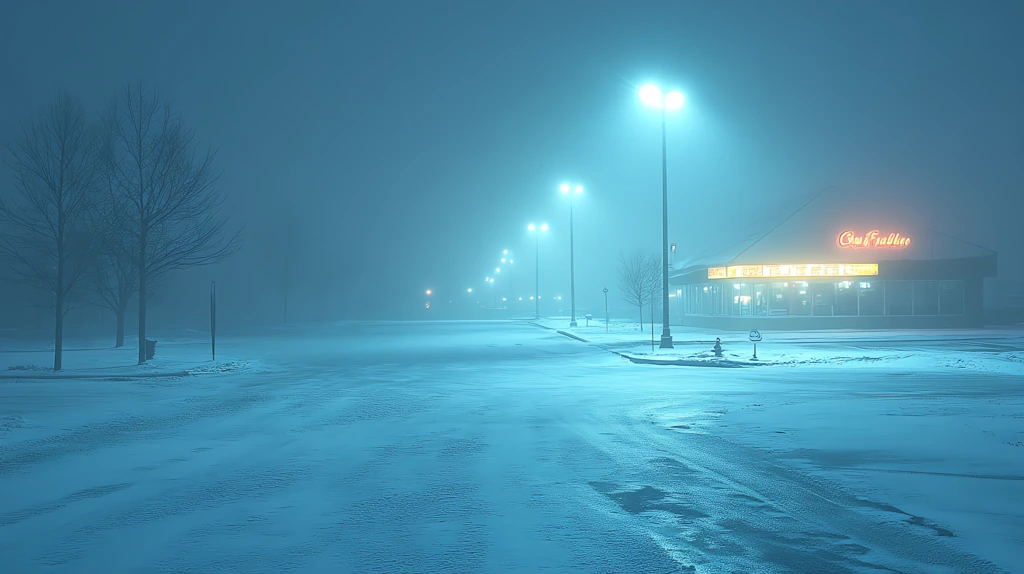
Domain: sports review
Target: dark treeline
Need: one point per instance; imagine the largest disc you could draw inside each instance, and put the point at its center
(105, 204)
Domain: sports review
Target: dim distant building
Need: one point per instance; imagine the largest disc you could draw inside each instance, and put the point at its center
(837, 263)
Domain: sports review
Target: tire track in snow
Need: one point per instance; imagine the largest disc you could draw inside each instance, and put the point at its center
(722, 506)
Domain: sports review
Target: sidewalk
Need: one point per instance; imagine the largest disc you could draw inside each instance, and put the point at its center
(175, 357)
(999, 350)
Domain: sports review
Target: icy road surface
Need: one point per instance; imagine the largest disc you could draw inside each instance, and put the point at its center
(489, 447)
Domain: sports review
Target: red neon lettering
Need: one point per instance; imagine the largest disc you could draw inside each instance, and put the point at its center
(871, 240)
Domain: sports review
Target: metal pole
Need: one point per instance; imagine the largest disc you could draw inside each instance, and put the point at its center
(572, 268)
(536, 287)
(213, 319)
(605, 309)
(666, 332)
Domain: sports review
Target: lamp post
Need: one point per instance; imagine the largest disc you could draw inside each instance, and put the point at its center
(537, 229)
(605, 309)
(571, 191)
(506, 258)
(651, 96)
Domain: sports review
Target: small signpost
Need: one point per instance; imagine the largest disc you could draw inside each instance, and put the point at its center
(213, 319)
(755, 338)
(589, 317)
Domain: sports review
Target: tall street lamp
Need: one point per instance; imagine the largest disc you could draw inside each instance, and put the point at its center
(652, 97)
(507, 258)
(571, 191)
(537, 230)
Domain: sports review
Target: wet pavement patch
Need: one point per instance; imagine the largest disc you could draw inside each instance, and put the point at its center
(911, 519)
(645, 499)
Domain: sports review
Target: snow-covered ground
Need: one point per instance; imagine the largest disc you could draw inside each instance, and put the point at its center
(493, 447)
(992, 350)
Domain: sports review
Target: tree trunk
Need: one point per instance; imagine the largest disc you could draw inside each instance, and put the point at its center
(120, 327)
(142, 292)
(58, 311)
(58, 335)
(641, 307)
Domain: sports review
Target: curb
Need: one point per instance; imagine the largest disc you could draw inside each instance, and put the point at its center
(571, 336)
(91, 377)
(690, 363)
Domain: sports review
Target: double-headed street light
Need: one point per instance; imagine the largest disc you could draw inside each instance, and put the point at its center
(537, 230)
(652, 97)
(572, 191)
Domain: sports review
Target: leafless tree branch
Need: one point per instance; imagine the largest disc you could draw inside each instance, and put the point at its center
(44, 230)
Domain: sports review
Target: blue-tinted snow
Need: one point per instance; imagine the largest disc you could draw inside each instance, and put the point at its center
(502, 447)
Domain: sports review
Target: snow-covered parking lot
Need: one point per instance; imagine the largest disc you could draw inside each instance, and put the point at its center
(503, 447)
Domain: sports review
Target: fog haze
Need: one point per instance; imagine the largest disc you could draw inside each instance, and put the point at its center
(374, 150)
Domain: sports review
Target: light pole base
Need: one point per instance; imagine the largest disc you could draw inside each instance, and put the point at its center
(572, 323)
(666, 342)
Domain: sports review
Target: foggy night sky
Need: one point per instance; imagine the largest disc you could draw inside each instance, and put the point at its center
(375, 149)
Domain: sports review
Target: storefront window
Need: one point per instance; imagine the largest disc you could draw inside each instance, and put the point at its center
(846, 298)
(741, 299)
(951, 297)
(899, 297)
(778, 299)
(824, 297)
(926, 297)
(799, 298)
(760, 300)
(872, 298)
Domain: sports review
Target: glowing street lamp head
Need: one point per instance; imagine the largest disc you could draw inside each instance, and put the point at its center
(531, 227)
(492, 279)
(543, 226)
(502, 259)
(497, 269)
(504, 252)
(579, 189)
(673, 101)
(429, 292)
(470, 290)
(650, 95)
(565, 188)
(510, 262)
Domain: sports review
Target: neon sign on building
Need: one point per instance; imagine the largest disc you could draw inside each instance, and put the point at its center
(872, 240)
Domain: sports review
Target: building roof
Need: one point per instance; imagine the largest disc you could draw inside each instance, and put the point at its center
(808, 232)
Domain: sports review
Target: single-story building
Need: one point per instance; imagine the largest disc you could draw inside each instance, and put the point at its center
(836, 264)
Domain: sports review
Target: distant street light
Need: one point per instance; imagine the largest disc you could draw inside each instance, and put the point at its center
(508, 275)
(538, 230)
(571, 191)
(470, 290)
(429, 292)
(652, 97)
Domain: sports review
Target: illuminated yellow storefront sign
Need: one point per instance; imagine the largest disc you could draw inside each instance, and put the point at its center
(799, 270)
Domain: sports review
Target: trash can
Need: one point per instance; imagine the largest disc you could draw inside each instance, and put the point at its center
(150, 348)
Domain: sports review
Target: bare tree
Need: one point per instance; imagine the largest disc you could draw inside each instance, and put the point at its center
(45, 230)
(652, 282)
(164, 188)
(116, 271)
(634, 277)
